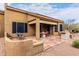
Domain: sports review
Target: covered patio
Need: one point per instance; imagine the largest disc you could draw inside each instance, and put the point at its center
(48, 26)
(38, 26)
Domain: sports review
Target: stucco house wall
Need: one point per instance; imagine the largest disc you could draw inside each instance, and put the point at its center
(1, 23)
(16, 15)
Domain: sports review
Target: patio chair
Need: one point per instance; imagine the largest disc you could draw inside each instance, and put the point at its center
(21, 36)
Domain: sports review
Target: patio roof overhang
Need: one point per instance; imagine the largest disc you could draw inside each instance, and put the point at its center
(2, 12)
(48, 22)
(42, 21)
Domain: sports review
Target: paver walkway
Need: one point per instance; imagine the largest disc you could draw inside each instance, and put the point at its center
(63, 49)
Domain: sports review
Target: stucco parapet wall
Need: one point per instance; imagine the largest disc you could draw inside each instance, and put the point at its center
(34, 14)
(22, 47)
(10, 40)
(37, 44)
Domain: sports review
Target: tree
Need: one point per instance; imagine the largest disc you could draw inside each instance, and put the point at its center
(68, 24)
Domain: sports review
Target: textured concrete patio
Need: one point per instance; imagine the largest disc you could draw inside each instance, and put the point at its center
(63, 49)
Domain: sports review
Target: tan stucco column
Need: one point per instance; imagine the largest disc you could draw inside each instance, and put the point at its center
(53, 29)
(58, 27)
(37, 28)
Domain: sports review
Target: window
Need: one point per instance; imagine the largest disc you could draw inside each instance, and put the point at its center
(14, 27)
(61, 28)
(18, 27)
(56, 28)
(25, 27)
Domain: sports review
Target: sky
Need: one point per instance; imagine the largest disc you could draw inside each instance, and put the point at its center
(2, 6)
(63, 11)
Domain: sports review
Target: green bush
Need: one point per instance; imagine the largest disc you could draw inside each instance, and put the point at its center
(75, 43)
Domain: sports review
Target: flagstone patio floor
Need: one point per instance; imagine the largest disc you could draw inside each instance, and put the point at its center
(63, 49)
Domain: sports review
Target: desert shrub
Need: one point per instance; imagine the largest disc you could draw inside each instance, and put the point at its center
(75, 43)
